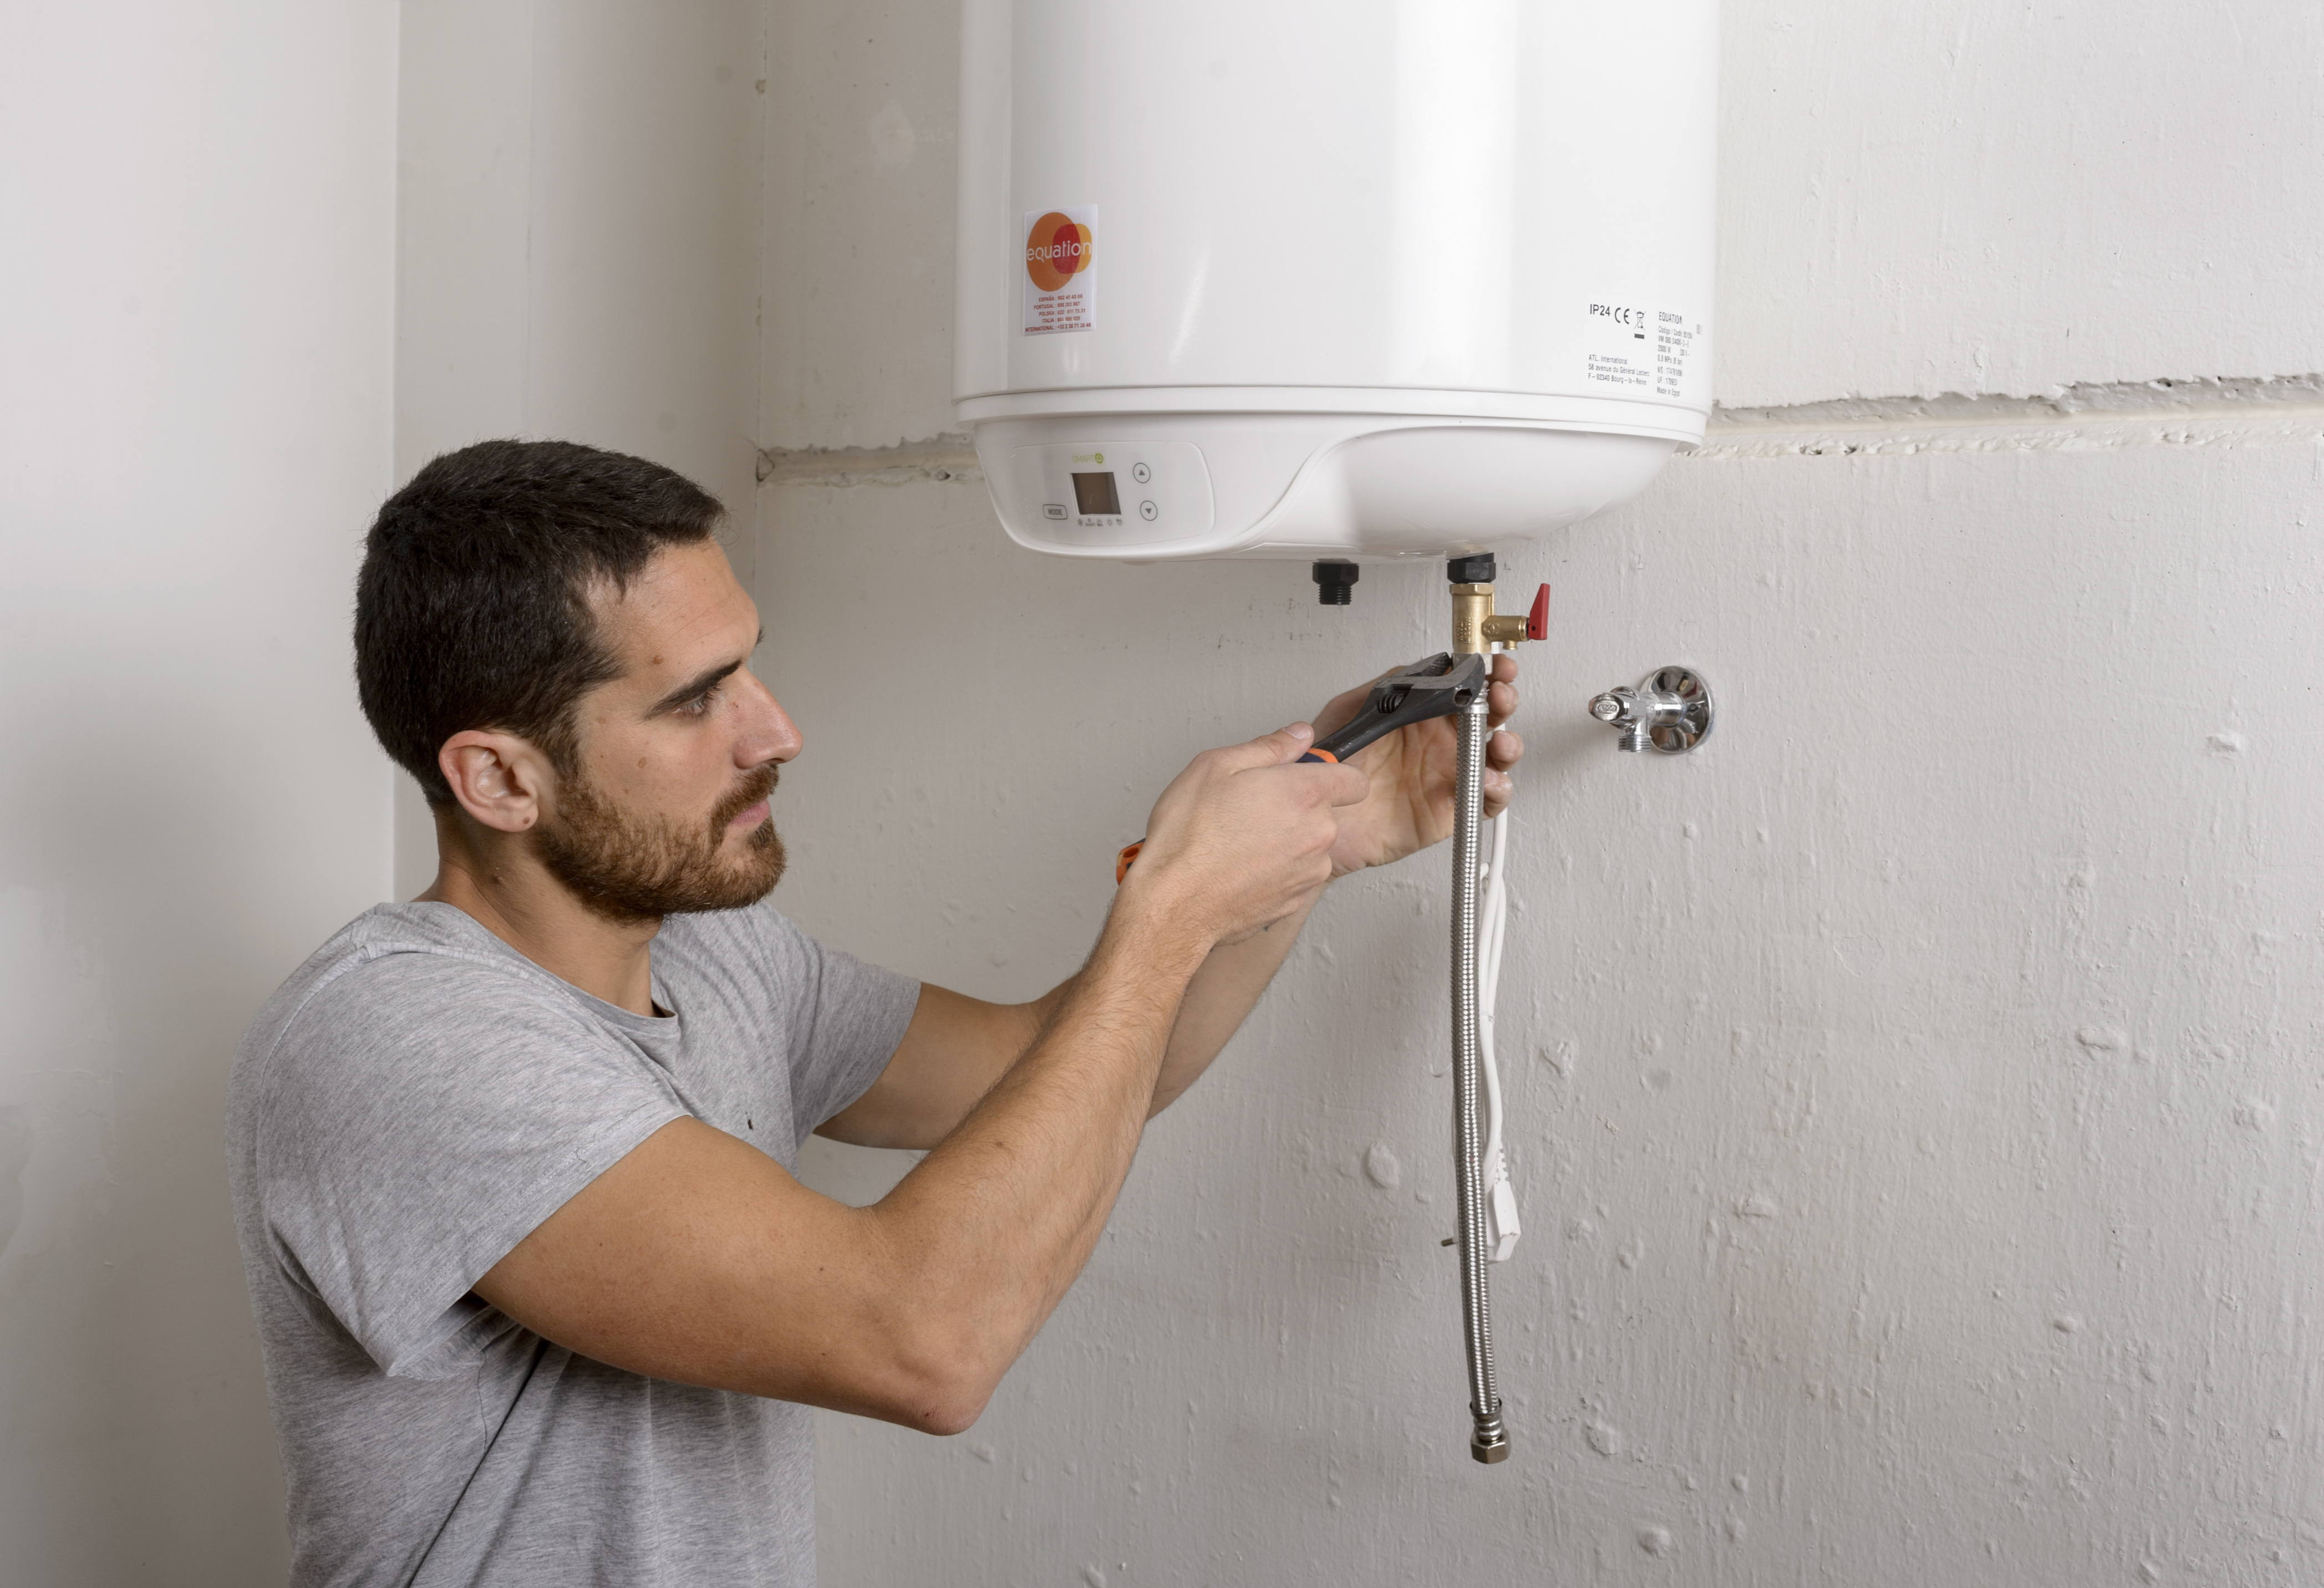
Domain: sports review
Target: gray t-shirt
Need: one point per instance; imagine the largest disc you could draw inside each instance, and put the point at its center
(415, 1100)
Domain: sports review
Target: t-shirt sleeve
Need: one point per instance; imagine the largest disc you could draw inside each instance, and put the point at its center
(402, 1155)
(847, 1018)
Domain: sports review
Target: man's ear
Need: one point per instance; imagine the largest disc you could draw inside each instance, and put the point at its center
(498, 779)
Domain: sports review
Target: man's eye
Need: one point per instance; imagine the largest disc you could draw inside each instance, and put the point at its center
(701, 704)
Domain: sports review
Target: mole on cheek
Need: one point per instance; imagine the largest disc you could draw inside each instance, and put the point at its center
(642, 763)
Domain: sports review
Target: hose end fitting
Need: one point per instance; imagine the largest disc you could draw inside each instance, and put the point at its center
(1336, 583)
(1489, 1443)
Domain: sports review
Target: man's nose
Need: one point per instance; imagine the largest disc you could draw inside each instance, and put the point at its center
(768, 731)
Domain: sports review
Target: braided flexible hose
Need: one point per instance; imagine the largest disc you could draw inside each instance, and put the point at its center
(1489, 1440)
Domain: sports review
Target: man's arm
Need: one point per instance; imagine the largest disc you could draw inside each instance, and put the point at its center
(957, 1048)
(696, 1257)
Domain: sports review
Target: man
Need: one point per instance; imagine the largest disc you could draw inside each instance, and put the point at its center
(540, 1301)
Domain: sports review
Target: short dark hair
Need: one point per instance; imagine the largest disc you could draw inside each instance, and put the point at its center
(472, 610)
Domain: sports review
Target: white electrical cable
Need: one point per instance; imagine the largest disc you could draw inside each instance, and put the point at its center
(1501, 1227)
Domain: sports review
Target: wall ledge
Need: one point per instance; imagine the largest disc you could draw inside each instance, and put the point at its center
(2204, 411)
(945, 456)
(2209, 410)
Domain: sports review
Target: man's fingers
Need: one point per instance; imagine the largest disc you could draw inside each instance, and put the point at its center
(1504, 749)
(1285, 743)
(1341, 784)
(1500, 703)
(1502, 692)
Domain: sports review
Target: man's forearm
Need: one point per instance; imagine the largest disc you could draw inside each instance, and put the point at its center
(1219, 999)
(958, 1048)
(994, 1223)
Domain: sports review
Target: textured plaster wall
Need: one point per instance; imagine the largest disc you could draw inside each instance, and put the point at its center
(1917, 1094)
(197, 211)
(1994, 195)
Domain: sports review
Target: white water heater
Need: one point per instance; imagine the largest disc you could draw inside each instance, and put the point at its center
(1330, 279)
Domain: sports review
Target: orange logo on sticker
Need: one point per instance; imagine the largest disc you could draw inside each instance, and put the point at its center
(1057, 250)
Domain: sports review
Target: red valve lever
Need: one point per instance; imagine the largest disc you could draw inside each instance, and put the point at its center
(1537, 620)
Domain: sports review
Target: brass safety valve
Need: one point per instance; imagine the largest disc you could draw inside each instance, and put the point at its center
(1475, 626)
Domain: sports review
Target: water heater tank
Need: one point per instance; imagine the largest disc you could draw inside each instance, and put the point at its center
(1330, 278)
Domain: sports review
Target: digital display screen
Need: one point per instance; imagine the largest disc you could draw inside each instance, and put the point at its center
(1095, 495)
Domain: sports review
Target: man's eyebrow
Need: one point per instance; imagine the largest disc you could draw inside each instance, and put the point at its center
(701, 683)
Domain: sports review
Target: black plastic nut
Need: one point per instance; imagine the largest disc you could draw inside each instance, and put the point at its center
(1476, 569)
(1335, 582)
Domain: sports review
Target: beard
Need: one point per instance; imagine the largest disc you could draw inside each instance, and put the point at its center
(631, 868)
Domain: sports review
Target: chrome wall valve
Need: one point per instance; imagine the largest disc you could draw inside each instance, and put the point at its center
(1669, 711)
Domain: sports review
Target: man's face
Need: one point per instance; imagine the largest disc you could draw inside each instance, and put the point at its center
(677, 755)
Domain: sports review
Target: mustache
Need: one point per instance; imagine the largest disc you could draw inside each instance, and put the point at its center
(755, 786)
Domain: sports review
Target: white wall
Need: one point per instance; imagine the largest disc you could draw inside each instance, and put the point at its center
(1917, 1092)
(220, 346)
(195, 342)
(857, 343)
(1987, 196)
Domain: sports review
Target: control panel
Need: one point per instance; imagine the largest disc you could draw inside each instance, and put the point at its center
(1119, 494)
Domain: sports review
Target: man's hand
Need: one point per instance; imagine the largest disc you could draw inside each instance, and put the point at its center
(1245, 836)
(1409, 774)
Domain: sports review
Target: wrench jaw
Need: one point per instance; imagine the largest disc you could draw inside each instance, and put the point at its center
(1437, 685)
